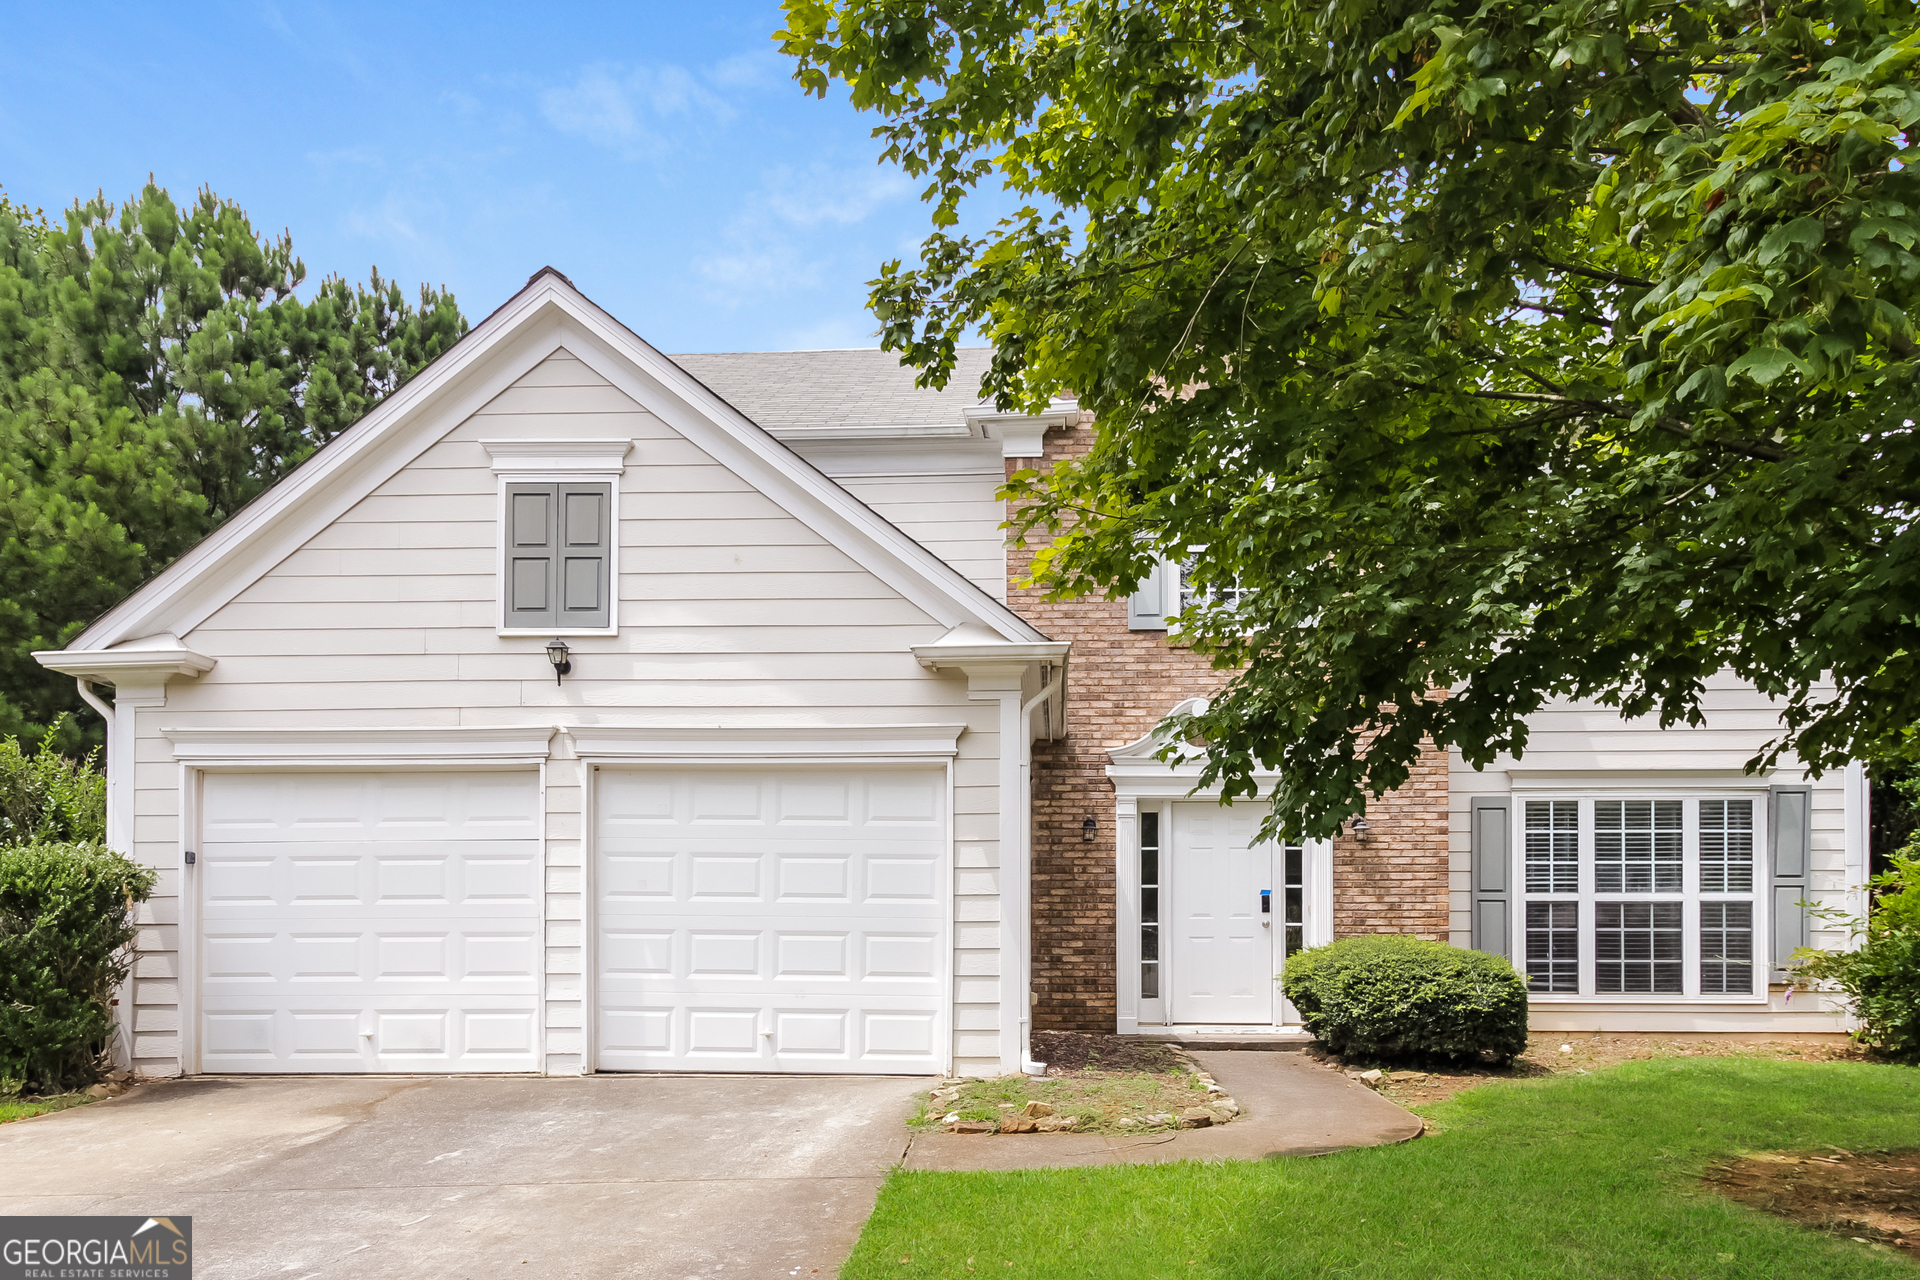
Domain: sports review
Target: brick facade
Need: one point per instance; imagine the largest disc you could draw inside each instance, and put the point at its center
(1120, 683)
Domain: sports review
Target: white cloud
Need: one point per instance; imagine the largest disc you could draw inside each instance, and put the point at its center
(788, 234)
(806, 198)
(617, 107)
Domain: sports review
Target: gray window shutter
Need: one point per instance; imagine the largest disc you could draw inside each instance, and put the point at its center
(586, 526)
(1492, 852)
(558, 556)
(1148, 607)
(1790, 832)
(532, 592)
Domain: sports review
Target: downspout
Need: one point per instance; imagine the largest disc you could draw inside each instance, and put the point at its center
(1027, 1065)
(94, 700)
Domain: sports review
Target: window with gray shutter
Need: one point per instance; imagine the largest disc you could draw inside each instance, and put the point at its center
(1147, 608)
(1791, 833)
(558, 544)
(1492, 870)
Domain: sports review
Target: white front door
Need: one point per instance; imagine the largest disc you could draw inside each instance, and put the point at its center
(789, 919)
(1223, 959)
(369, 922)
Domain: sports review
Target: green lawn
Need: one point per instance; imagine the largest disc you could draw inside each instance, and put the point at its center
(18, 1109)
(1587, 1176)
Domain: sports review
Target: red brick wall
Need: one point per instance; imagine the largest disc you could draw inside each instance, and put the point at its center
(1119, 685)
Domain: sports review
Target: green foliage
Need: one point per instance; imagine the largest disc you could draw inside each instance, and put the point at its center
(47, 798)
(157, 372)
(1512, 350)
(66, 932)
(1389, 996)
(1882, 976)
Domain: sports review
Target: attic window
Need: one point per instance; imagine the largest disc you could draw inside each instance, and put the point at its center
(558, 543)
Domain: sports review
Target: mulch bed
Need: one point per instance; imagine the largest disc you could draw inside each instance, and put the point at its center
(1068, 1051)
(1869, 1196)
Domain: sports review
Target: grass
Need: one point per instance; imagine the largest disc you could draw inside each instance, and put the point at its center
(1591, 1176)
(1097, 1100)
(21, 1108)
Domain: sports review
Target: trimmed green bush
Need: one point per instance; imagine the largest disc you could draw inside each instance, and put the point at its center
(66, 930)
(1883, 975)
(1390, 996)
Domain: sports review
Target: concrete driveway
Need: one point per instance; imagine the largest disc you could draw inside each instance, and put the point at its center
(603, 1176)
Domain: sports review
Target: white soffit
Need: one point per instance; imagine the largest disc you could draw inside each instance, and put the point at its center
(545, 316)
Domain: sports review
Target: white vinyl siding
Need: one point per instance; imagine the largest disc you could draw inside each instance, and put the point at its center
(730, 611)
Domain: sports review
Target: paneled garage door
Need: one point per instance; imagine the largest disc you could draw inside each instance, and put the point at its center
(772, 920)
(369, 922)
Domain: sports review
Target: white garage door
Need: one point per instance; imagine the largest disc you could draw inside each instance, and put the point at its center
(772, 920)
(369, 922)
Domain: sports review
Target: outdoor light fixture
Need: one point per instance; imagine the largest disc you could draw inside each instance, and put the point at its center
(557, 655)
(1086, 828)
(1361, 826)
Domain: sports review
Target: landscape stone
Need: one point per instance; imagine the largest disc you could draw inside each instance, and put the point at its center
(1018, 1124)
(972, 1126)
(1036, 1109)
(1196, 1118)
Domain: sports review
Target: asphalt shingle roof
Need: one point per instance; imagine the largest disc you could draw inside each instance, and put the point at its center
(797, 389)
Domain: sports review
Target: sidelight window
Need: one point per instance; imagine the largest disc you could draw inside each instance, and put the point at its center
(1150, 864)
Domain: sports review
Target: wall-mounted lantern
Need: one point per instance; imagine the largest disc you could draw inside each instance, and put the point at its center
(1360, 828)
(558, 655)
(1087, 828)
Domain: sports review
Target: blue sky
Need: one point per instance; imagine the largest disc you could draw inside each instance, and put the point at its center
(659, 154)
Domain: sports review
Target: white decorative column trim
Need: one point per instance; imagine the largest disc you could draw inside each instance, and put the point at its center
(138, 671)
(1021, 678)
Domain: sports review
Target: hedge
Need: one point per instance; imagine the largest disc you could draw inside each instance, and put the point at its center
(1389, 996)
(66, 930)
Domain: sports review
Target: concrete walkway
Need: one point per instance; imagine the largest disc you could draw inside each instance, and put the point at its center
(1291, 1106)
(629, 1176)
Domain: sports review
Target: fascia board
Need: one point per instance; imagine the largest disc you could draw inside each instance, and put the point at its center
(963, 656)
(737, 443)
(492, 357)
(114, 666)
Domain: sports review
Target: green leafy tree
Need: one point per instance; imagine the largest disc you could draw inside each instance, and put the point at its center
(157, 371)
(1516, 351)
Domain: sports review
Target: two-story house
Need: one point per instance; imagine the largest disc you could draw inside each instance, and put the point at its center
(584, 708)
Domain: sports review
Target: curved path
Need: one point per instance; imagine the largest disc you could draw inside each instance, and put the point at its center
(1290, 1106)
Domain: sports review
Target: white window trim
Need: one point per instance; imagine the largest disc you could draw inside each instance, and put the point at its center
(556, 462)
(1690, 790)
(1142, 784)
